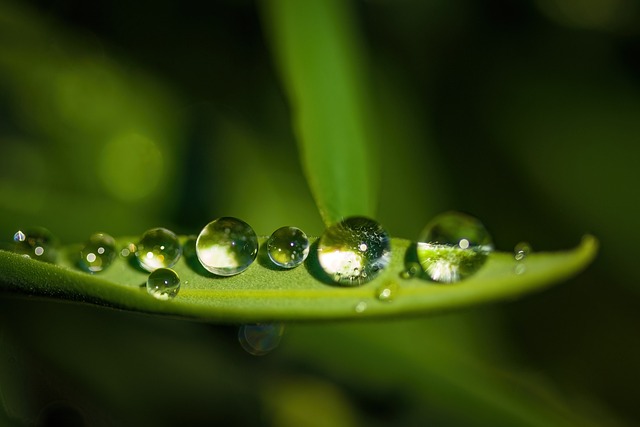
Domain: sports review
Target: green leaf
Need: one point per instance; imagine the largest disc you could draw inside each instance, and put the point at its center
(320, 58)
(264, 293)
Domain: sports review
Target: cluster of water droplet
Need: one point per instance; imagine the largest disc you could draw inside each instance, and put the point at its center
(453, 246)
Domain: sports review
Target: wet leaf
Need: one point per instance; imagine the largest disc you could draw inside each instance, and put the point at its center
(264, 293)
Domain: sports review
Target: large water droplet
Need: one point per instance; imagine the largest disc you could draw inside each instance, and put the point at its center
(98, 253)
(354, 251)
(158, 248)
(453, 246)
(288, 247)
(163, 283)
(227, 246)
(260, 339)
(37, 243)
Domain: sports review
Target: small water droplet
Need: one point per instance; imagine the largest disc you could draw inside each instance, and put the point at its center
(453, 246)
(360, 307)
(387, 292)
(163, 283)
(128, 250)
(412, 270)
(354, 251)
(98, 253)
(521, 251)
(37, 243)
(158, 248)
(520, 268)
(288, 247)
(227, 246)
(260, 339)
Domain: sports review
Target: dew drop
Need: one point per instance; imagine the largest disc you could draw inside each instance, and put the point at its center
(260, 339)
(288, 247)
(37, 243)
(227, 246)
(158, 248)
(354, 251)
(521, 251)
(98, 253)
(360, 307)
(387, 292)
(520, 268)
(453, 246)
(163, 283)
(412, 270)
(128, 250)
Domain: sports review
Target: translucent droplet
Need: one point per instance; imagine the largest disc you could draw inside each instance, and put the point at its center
(520, 268)
(453, 246)
(163, 283)
(288, 247)
(360, 307)
(354, 251)
(521, 251)
(98, 253)
(260, 339)
(412, 270)
(387, 292)
(37, 243)
(158, 248)
(129, 249)
(227, 246)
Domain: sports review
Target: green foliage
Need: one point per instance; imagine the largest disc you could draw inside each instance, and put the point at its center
(265, 293)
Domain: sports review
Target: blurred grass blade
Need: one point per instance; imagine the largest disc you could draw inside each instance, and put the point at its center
(263, 293)
(319, 54)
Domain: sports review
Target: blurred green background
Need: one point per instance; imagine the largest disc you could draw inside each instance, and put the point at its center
(121, 116)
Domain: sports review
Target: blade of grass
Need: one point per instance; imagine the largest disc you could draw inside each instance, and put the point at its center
(319, 57)
(263, 293)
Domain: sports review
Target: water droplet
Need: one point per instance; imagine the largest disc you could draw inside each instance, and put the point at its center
(37, 243)
(360, 307)
(98, 253)
(354, 251)
(521, 251)
(520, 268)
(260, 339)
(412, 270)
(126, 252)
(227, 246)
(288, 247)
(453, 246)
(158, 248)
(163, 283)
(387, 292)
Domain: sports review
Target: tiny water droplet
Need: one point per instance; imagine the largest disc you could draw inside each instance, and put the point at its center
(412, 270)
(521, 251)
(354, 251)
(227, 246)
(288, 247)
(128, 250)
(158, 248)
(520, 268)
(360, 307)
(98, 253)
(453, 246)
(37, 243)
(387, 292)
(260, 339)
(163, 283)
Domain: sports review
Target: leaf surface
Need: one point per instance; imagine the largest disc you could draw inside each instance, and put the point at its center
(265, 293)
